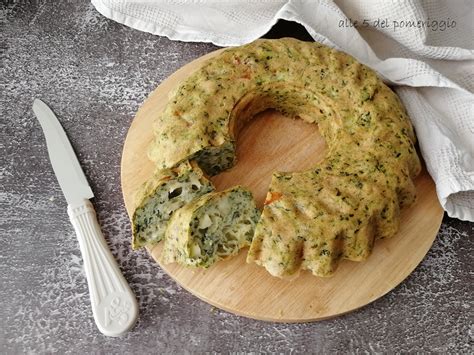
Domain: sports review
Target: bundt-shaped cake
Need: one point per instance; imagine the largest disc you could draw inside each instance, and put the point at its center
(334, 210)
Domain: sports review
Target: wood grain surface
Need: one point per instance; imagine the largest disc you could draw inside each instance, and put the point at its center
(270, 143)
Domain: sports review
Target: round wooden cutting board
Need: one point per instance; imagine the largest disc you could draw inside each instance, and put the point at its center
(268, 143)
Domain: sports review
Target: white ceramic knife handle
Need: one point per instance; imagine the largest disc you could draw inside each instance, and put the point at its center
(114, 305)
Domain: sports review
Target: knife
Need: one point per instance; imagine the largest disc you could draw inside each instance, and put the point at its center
(113, 304)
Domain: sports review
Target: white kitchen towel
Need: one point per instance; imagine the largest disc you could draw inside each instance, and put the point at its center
(425, 49)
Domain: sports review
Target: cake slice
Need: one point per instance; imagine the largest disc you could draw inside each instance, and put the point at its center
(159, 197)
(211, 228)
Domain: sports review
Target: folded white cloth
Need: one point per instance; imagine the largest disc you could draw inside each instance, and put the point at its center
(425, 49)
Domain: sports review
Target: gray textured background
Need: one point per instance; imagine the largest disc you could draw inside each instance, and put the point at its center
(95, 73)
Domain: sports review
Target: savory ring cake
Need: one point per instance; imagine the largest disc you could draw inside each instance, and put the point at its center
(334, 210)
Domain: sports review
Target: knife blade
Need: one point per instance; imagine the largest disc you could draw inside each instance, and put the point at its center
(114, 305)
(66, 167)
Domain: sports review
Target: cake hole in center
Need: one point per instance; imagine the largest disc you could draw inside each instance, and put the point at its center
(271, 142)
